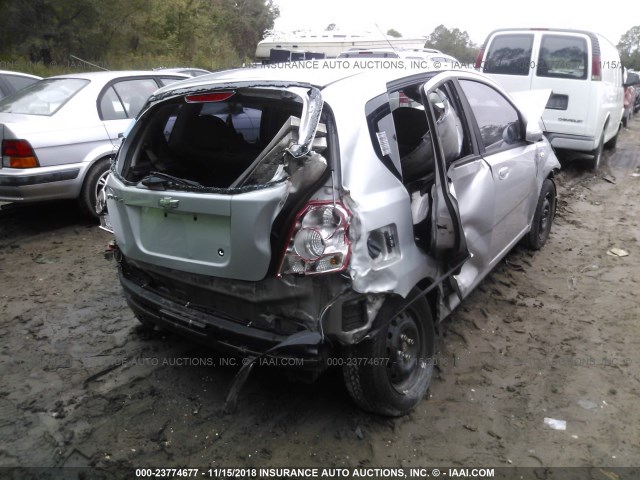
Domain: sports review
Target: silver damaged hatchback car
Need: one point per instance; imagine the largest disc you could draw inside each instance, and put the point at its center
(333, 216)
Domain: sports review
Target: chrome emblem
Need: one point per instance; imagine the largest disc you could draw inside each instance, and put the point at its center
(168, 202)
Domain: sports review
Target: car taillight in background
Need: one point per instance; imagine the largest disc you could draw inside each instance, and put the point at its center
(479, 59)
(318, 242)
(18, 154)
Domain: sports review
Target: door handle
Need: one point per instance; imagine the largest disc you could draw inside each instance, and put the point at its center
(503, 173)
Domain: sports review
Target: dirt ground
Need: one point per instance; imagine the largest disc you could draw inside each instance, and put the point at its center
(551, 334)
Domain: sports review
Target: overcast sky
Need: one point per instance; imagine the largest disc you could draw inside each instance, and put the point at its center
(418, 17)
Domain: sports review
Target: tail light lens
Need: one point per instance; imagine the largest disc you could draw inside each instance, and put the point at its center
(479, 59)
(318, 242)
(18, 154)
(596, 73)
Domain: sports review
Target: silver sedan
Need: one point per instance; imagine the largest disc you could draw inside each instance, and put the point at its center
(59, 134)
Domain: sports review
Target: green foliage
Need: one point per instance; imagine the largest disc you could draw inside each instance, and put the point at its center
(452, 42)
(629, 48)
(394, 33)
(40, 36)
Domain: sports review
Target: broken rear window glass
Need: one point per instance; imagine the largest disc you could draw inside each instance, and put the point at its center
(244, 140)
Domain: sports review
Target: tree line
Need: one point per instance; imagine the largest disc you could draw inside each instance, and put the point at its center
(210, 34)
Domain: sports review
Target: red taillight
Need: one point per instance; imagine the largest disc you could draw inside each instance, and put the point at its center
(596, 72)
(18, 154)
(209, 97)
(479, 59)
(318, 242)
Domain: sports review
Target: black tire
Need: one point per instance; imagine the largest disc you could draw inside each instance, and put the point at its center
(598, 153)
(398, 383)
(611, 144)
(93, 184)
(543, 217)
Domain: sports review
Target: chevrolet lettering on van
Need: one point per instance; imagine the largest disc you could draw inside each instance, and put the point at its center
(572, 120)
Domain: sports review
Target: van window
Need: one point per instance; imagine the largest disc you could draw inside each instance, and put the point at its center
(509, 55)
(562, 56)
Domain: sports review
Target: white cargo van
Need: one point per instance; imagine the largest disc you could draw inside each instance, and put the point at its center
(582, 69)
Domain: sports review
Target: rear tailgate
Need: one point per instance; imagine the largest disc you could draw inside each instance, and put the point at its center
(211, 234)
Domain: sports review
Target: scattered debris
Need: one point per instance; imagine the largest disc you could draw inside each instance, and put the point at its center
(471, 428)
(617, 252)
(609, 178)
(555, 424)
(587, 405)
(44, 260)
(359, 433)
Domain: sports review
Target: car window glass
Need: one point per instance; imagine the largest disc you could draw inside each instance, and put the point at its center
(509, 55)
(213, 143)
(134, 94)
(111, 107)
(164, 81)
(497, 119)
(382, 132)
(44, 97)
(18, 82)
(562, 56)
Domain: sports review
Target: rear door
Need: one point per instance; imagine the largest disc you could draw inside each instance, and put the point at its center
(463, 197)
(563, 67)
(192, 194)
(121, 101)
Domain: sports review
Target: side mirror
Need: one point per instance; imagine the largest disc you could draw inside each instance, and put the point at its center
(511, 133)
(534, 133)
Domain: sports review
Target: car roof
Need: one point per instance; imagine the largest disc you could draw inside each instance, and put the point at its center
(20, 74)
(325, 73)
(185, 70)
(117, 74)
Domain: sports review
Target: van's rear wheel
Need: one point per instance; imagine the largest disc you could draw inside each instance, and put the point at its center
(390, 374)
(598, 153)
(611, 144)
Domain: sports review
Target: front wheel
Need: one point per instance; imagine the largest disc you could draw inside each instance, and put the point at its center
(390, 374)
(94, 183)
(543, 217)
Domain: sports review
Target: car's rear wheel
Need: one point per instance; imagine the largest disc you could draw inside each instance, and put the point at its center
(390, 374)
(94, 183)
(543, 217)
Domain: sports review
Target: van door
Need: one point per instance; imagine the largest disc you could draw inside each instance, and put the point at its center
(508, 60)
(563, 65)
